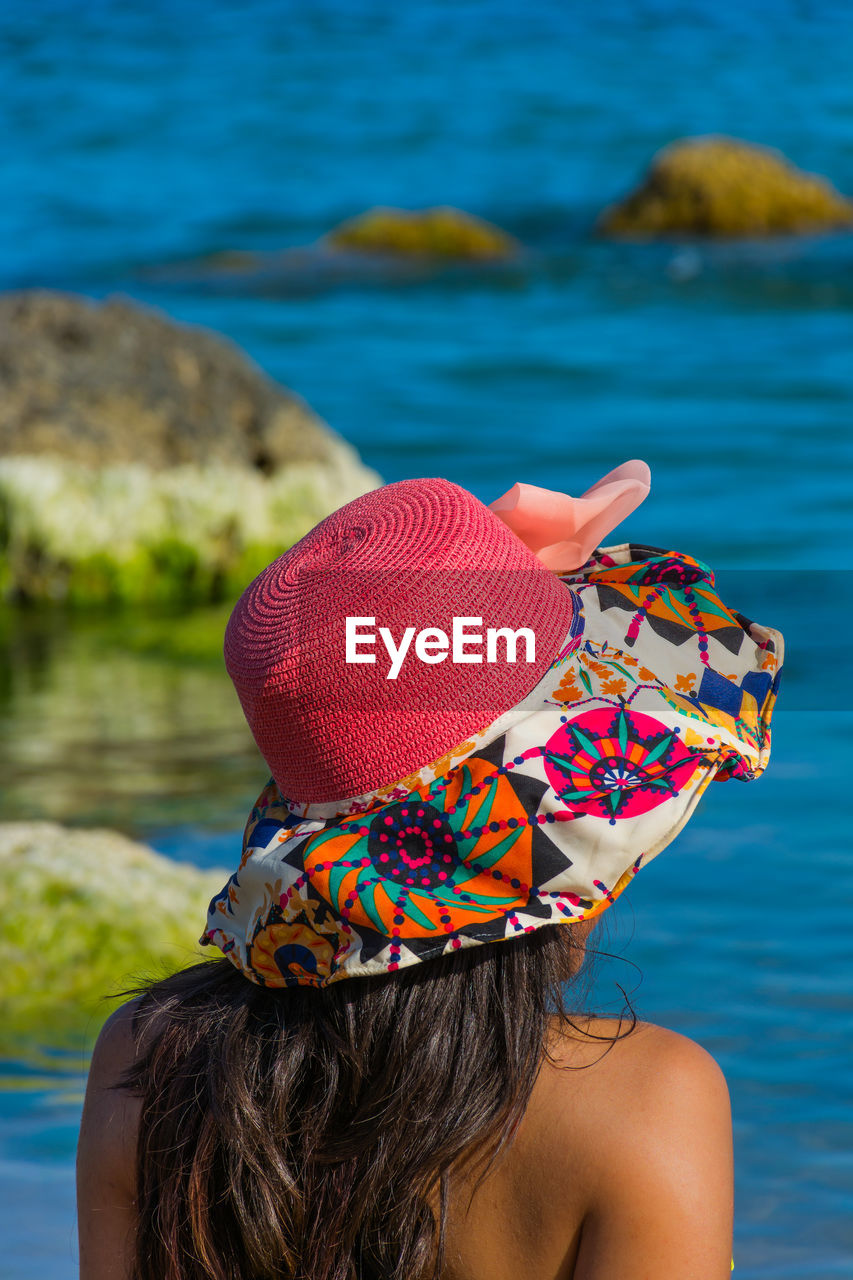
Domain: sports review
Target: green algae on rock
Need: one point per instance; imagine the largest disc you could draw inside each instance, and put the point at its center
(438, 232)
(721, 186)
(126, 532)
(86, 914)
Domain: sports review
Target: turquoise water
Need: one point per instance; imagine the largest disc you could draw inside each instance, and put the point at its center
(139, 137)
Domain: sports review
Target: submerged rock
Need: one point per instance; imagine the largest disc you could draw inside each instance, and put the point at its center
(379, 247)
(439, 232)
(145, 460)
(719, 186)
(86, 914)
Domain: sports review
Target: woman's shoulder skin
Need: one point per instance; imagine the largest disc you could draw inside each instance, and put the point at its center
(621, 1169)
(656, 1137)
(106, 1154)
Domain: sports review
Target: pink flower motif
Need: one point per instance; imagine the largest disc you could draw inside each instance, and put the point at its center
(617, 764)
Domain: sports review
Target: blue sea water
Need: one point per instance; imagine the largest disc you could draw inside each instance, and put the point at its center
(141, 136)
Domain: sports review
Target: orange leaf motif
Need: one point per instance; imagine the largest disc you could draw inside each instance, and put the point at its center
(614, 686)
(567, 691)
(442, 765)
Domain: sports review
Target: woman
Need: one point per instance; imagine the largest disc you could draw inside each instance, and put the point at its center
(384, 1077)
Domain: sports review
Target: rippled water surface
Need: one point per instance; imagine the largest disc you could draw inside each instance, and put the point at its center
(141, 138)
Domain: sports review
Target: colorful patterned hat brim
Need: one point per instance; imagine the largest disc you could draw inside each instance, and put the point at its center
(544, 816)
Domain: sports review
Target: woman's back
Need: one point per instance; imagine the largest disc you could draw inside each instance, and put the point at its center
(621, 1168)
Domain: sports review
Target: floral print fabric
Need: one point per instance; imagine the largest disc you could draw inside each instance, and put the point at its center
(543, 816)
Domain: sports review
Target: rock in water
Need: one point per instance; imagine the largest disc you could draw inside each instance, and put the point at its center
(84, 915)
(718, 186)
(440, 232)
(142, 459)
(115, 382)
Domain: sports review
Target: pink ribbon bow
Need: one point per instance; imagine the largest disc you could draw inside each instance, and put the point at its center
(564, 531)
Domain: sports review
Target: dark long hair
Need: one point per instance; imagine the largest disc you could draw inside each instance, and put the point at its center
(311, 1134)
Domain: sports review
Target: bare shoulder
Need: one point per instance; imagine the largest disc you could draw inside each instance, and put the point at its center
(117, 1045)
(629, 1086)
(110, 1111)
(106, 1152)
(638, 1125)
(643, 1056)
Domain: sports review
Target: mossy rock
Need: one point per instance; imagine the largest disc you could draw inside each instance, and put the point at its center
(147, 461)
(719, 186)
(85, 915)
(440, 232)
(115, 382)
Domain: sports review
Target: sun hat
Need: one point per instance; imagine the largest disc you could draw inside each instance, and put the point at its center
(428, 795)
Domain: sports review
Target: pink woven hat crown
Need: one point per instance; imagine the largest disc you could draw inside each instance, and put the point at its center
(415, 554)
